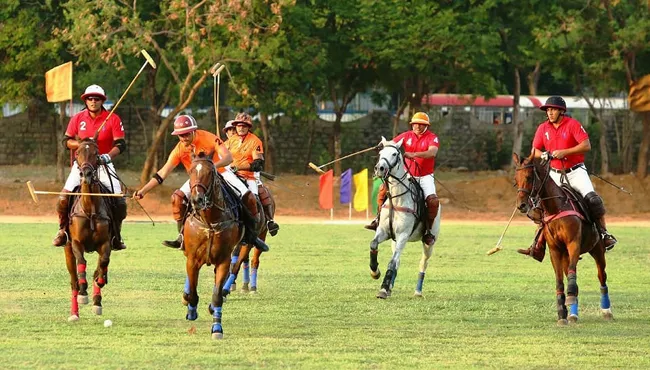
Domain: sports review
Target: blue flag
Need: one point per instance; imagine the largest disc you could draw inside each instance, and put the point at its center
(346, 186)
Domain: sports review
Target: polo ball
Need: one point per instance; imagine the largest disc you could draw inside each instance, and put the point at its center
(108, 323)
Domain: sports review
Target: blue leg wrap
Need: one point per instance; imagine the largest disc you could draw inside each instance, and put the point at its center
(228, 284)
(186, 289)
(420, 282)
(573, 308)
(216, 320)
(604, 298)
(253, 277)
(192, 314)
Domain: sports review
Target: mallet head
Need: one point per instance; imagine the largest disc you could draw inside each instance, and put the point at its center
(32, 192)
(316, 168)
(148, 58)
(218, 70)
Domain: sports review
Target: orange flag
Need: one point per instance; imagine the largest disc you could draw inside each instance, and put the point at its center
(639, 96)
(326, 189)
(58, 83)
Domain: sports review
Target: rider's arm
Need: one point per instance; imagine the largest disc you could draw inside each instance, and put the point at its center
(431, 152)
(225, 157)
(581, 148)
(157, 178)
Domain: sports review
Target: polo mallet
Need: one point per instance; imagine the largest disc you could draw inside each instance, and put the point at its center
(267, 176)
(34, 193)
(319, 168)
(148, 61)
(216, 76)
(498, 246)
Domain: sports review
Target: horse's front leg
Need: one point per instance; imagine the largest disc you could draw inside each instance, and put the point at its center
(254, 268)
(189, 293)
(380, 236)
(220, 274)
(572, 279)
(393, 266)
(598, 253)
(427, 251)
(101, 276)
(556, 261)
(78, 251)
(70, 262)
(234, 269)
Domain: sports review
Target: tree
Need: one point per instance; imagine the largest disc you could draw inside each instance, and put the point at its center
(186, 37)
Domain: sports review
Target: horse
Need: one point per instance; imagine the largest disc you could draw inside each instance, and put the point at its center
(401, 218)
(567, 231)
(211, 232)
(241, 256)
(90, 231)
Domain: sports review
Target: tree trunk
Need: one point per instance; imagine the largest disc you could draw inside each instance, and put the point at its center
(642, 160)
(268, 158)
(400, 110)
(60, 150)
(533, 79)
(310, 141)
(337, 141)
(158, 138)
(518, 125)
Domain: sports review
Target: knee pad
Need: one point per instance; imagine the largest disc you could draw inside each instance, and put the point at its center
(179, 205)
(62, 204)
(433, 204)
(595, 204)
(264, 194)
(381, 194)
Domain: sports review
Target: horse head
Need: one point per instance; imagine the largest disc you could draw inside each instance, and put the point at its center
(391, 159)
(87, 158)
(530, 177)
(202, 181)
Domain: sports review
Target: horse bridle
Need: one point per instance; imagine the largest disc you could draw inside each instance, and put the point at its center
(86, 165)
(208, 191)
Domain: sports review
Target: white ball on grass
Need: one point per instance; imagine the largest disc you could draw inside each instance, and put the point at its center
(108, 323)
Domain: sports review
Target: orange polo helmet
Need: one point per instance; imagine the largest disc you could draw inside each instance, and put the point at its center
(421, 118)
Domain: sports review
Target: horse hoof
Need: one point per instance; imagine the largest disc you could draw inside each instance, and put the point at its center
(225, 292)
(573, 319)
(253, 290)
(217, 335)
(233, 287)
(210, 309)
(562, 322)
(73, 318)
(417, 294)
(82, 299)
(185, 299)
(375, 274)
(97, 310)
(244, 288)
(191, 316)
(382, 294)
(607, 313)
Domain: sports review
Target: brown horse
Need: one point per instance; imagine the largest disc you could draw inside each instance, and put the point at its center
(211, 232)
(241, 255)
(567, 231)
(90, 231)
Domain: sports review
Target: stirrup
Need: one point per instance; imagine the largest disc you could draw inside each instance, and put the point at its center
(428, 238)
(609, 240)
(59, 240)
(372, 225)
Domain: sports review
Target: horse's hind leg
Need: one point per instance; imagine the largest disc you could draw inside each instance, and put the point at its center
(221, 272)
(571, 265)
(74, 282)
(598, 253)
(190, 289)
(254, 268)
(427, 250)
(101, 277)
(234, 269)
(233, 261)
(393, 266)
(380, 236)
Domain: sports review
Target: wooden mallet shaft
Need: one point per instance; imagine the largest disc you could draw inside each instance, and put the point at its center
(498, 247)
(319, 168)
(34, 193)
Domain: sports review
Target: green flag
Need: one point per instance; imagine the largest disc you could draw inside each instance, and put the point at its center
(376, 182)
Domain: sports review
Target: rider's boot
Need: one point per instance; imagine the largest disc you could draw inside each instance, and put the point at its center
(267, 205)
(538, 249)
(119, 213)
(179, 210)
(608, 239)
(433, 204)
(251, 218)
(62, 210)
(381, 198)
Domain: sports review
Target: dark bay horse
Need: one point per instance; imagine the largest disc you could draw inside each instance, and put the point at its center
(241, 255)
(90, 231)
(211, 232)
(567, 232)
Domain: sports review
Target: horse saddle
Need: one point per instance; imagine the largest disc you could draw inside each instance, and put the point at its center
(578, 202)
(232, 200)
(109, 202)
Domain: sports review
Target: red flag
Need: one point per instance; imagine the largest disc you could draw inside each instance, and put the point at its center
(325, 190)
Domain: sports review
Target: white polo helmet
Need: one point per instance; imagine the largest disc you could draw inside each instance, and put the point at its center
(93, 90)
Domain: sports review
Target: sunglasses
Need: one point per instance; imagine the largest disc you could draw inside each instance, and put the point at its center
(185, 135)
(94, 98)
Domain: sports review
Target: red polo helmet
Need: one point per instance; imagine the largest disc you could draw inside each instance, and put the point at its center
(184, 124)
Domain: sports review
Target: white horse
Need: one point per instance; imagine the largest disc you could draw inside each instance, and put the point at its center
(399, 218)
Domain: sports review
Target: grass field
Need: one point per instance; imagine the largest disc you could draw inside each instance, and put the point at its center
(316, 307)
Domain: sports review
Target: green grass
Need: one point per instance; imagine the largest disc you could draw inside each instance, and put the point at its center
(317, 308)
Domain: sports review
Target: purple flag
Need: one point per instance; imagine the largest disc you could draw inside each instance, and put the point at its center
(346, 186)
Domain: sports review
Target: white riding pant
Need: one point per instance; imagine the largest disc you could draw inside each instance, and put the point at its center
(74, 178)
(578, 179)
(252, 186)
(428, 184)
(258, 179)
(231, 179)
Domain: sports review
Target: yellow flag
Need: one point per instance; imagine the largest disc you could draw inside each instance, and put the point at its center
(639, 96)
(58, 83)
(360, 202)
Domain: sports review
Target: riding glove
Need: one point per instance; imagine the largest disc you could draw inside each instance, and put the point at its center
(104, 159)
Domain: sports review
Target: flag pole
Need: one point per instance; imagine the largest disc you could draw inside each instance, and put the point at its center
(350, 211)
(332, 214)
